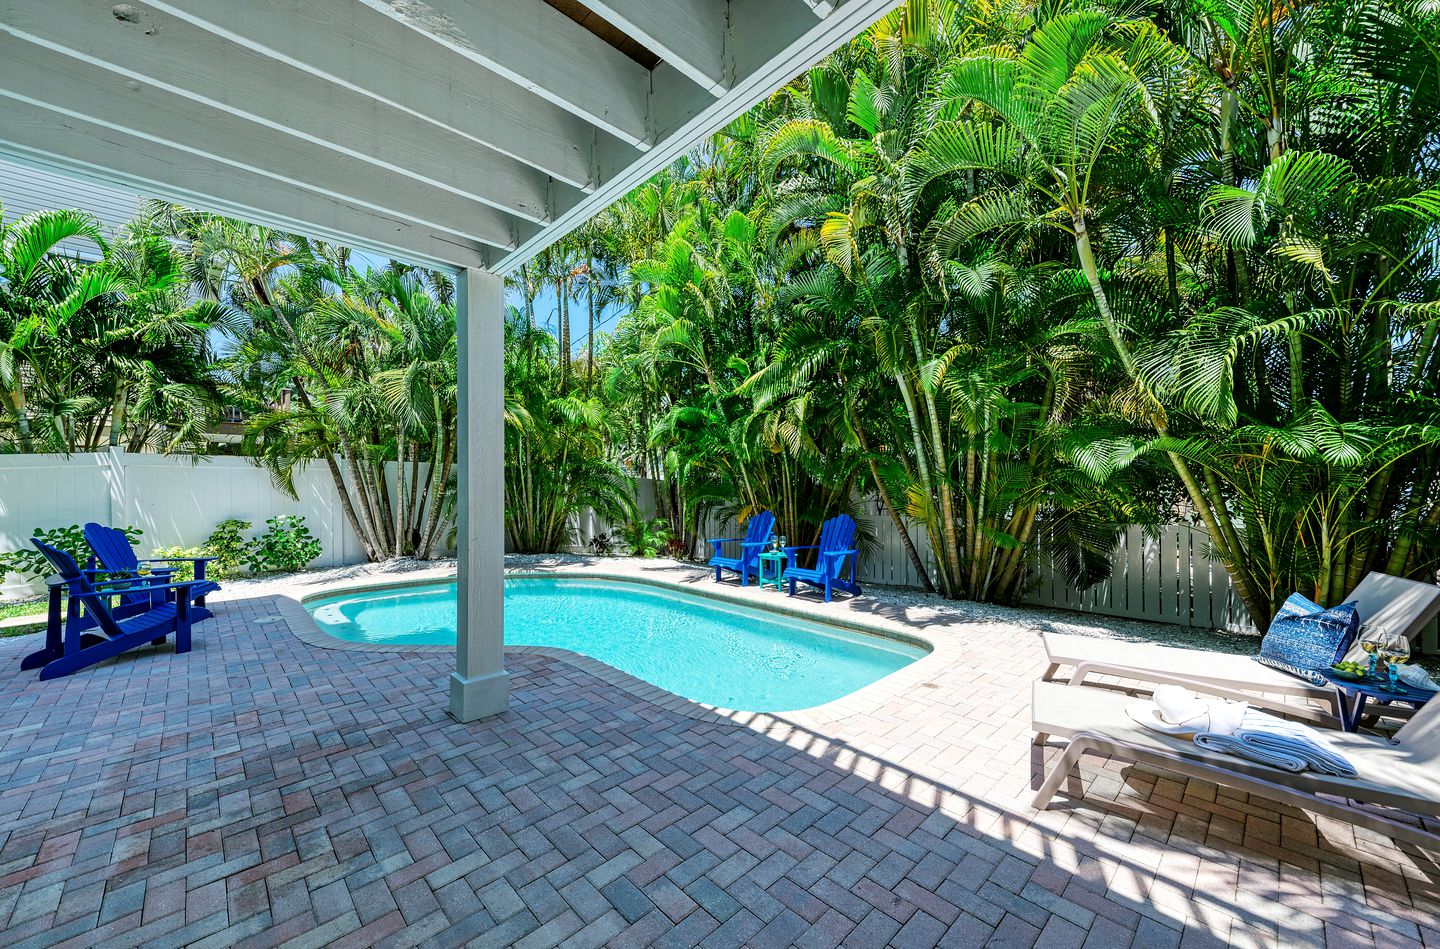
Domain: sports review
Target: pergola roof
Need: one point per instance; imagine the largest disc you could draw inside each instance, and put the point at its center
(467, 133)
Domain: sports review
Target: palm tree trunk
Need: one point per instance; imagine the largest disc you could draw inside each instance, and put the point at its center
(342, 491)
(1211, 506)
(922, 463)
(446, 459)
(910, 552)
(942, 466)
(20, 409)
(590, 334)
(117, 414)
(417, 500)
(403, 500)
(367, 510)
(562, 289)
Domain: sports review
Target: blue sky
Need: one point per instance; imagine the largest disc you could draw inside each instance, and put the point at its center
(547, 316)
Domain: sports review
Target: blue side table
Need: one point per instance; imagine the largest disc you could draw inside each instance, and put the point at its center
(1351, 697)
(776, 557)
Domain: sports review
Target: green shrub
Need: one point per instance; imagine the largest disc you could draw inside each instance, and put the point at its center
(183, 571)
(646, 538)
(30, 564)
(227, 544)
(287, 545)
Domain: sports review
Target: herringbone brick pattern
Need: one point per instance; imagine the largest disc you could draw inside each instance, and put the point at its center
(261, 791)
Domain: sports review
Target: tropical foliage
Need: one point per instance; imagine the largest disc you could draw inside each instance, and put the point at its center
(1032, 271)
(113, 351)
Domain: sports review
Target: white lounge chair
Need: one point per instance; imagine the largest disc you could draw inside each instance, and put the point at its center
(1403, 772)
(1401, 605)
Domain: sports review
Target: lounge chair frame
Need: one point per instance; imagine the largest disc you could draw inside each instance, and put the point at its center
(1406, 604)
(1303, 791)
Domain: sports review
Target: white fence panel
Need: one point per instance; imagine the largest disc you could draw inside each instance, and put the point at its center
(175, 500)
(1167, 578)
(45, 491)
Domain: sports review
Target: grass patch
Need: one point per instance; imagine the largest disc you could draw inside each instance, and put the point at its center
(28, 607)
(11, 608)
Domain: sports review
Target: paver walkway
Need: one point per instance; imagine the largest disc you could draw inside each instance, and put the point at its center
(261, 790)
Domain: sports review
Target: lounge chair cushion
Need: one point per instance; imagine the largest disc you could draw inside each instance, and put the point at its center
(1305, 637)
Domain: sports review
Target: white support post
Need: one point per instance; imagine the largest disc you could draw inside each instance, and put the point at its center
(480, 685)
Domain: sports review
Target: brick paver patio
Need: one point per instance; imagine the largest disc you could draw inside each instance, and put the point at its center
(265, 791)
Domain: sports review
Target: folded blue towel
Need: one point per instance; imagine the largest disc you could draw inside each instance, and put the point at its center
(1272, 741)
(1233, 745)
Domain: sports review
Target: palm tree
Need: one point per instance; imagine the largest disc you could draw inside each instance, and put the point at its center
(39, 292)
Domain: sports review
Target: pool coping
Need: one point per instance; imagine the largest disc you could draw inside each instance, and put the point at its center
(942, 650)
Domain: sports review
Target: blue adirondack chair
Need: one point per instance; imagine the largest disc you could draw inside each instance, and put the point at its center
(837, 537)
(115, 555)
(90, 632)
(757, 537)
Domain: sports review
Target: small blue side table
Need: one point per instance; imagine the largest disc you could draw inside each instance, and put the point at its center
(777, 557)
(1351, 697)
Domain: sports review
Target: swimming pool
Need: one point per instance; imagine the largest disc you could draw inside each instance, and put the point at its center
(719, 653)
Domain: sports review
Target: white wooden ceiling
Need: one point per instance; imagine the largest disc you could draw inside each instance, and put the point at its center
(457, 132)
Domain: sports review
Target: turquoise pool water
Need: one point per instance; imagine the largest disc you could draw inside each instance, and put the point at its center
(731, 656)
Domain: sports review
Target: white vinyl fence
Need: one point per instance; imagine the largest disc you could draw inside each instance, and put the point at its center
(175, 500)
(1165, 579)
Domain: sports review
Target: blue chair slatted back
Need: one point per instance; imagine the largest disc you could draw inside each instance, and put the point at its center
(759, 529)
(97, 613)
(746, 559)
(838, 533)
(112, 548)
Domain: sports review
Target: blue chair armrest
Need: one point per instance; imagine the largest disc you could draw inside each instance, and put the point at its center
(177, 559)
(126, 575)
(132, 578)
(790, 554)
(839, 553)
(145, 588)
(754, 543)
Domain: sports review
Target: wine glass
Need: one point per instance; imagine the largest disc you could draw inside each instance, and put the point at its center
(1372, 637)
(1395, 650)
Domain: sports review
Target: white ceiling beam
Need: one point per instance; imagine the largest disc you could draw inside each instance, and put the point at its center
(85, 92)
(687, 34)
(93, 153)
(351, 45)
(763, 32)
(539, 49)
(185, 141)
(774, 40)
(158, 50)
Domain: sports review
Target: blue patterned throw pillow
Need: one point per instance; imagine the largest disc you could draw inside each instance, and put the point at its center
(1305, 637)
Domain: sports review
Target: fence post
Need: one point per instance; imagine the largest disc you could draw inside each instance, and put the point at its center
(115, 478)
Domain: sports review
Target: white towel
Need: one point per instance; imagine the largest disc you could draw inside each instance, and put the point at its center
(1176, 711)
(1282, 744)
